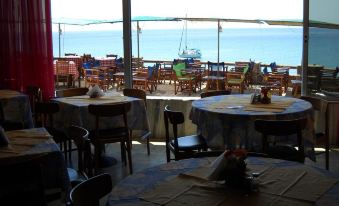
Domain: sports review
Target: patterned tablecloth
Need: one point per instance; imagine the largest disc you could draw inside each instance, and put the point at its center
(76, 59)
(149, 181)
(229, 120)
(16, 107)
(74, 110)
(70, 68)
(106, 61)
(37, 142)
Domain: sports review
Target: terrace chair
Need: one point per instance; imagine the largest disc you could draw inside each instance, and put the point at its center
(71, 92)
(112, 55)
(276, 82)
(278, 128)
(89, 192)
(70, 54)
(137, 93)
(183, 81)
(166, 73)
(100, 137)
(146, 80)
(216, 74)
(62, 74)
(237, 80)
(322, 138)
(182, 147)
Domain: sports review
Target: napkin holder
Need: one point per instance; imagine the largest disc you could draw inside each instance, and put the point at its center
(3, 138)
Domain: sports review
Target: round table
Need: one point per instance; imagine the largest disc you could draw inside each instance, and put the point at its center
(228, 120)
(128, 191)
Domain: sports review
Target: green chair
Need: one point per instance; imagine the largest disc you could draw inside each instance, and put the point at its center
(182, 79)
(237, 80)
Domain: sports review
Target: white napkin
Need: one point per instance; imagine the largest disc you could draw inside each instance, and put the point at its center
(95, 92)
(219, 165)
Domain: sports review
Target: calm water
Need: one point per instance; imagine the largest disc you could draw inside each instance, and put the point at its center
(266, 45)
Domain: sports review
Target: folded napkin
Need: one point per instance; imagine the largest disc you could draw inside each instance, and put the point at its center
(95, 92)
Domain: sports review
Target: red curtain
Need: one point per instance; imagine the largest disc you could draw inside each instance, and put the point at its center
(26, 53)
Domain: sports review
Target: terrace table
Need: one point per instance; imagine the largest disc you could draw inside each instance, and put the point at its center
(71, 69)
(106, 61)
(37, 143)
(16, 107)
(176, 183)
(228, 120)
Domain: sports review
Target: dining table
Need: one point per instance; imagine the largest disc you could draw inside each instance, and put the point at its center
(36, 143)
(16, 107)
(74, 111)
(227, 121)
(185, 182)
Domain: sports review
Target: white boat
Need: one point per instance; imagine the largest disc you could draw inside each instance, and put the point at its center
(188, 53)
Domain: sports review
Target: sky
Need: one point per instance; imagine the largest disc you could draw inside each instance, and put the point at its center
(112, 10)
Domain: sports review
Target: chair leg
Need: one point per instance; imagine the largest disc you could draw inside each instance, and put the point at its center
(168, 155)
(327, 154)
(123, 152)
(129, 155)
(148, 148)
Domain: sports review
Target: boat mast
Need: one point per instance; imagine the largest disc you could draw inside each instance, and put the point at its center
(186, 33)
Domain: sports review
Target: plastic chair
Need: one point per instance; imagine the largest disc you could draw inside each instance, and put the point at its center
(181, 147)
(137, 93)
(282, 128)
(89, 192)
(99, 137)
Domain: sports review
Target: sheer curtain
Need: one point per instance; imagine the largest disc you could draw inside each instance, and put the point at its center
(26, 53)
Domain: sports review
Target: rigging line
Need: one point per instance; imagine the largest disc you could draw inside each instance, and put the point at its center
(182, 33)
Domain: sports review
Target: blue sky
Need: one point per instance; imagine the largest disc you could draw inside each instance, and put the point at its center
(112, 9)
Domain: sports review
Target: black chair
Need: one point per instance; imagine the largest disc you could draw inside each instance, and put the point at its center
(35, 95)
(215, 93)
(322, 138)
(182, 147)
(89, 192)
(100, 137)
(282, 128)
(44, 112)
(85, 164)
(137, 93)
(8, 124)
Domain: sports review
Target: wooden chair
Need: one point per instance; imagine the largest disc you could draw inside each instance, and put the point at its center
(137, 93)
(183, 81)
(70, 54)
(99, 137)
(215, 93)
(80, 136)
(35, 96)
(322, 138)
(166, 73)
(282, 128)
(237, 79)
(112, 55)
(216, 74)
(71, 92)
(276, 82)
(89, 192)
(62, 74)
(44, 112)
(8, 124)
(181, 147)
(146, 79)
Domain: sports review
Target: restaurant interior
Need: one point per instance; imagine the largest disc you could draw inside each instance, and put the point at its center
(121, 130)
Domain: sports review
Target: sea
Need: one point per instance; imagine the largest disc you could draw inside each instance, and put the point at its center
(281, 45)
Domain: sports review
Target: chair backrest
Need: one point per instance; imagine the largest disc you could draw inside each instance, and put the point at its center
(70, 54)
(175, 118)
(112, 55)
(137, 93)
(90, 191)
(178, 67)
(35, 96)
(62, 67)
(72, 92)
(215, 93)
(109, 110)
(280, 128)
(216, 69)
(80, 137)
(44, 113)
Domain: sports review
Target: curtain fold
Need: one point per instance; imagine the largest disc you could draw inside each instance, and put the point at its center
(26, 51)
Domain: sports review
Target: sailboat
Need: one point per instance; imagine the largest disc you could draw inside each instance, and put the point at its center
(188, 53)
